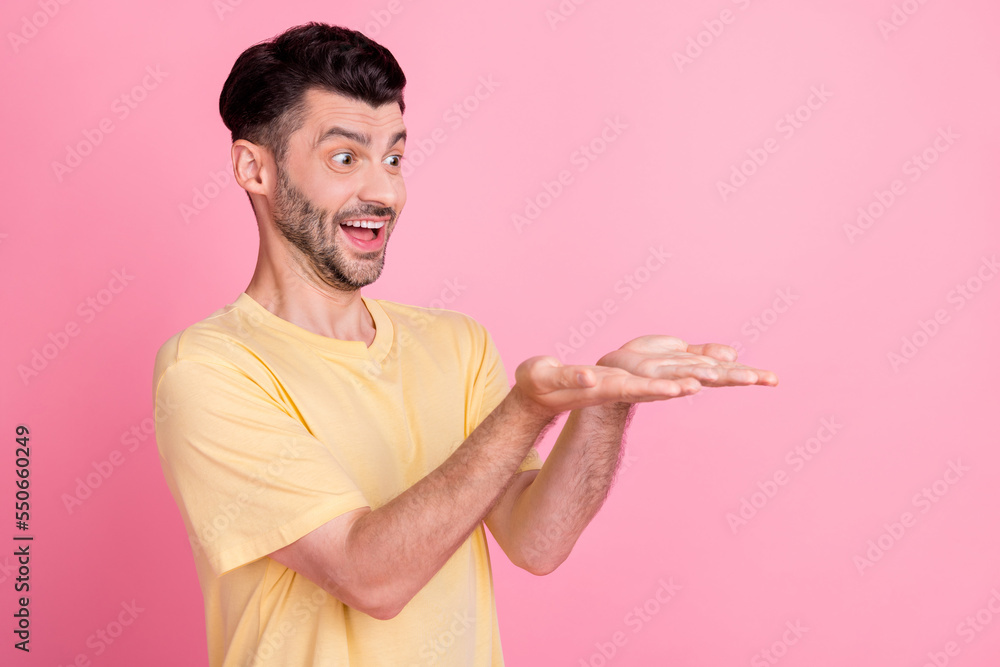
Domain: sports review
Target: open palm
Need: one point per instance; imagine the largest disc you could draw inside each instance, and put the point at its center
(669, 357)
(649, 368)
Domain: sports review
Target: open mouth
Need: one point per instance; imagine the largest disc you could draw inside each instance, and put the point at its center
(363, 230)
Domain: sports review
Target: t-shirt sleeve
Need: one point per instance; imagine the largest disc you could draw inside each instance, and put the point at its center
(248, 476)
(495, 388)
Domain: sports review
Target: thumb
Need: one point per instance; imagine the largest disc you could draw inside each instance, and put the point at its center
(572, 377)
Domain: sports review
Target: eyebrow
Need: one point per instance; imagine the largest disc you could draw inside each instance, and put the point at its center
(361, 138)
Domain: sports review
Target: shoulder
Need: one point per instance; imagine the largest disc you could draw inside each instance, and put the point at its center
(434, 322)
(441, 334)
(219, 340)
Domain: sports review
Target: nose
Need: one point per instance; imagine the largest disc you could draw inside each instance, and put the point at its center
(380, 187)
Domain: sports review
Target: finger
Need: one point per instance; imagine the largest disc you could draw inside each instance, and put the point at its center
(585, 378)
(535, 369)
(744, 375)
(767, 378)
(701, 368)
(683, 359)
(554, 378)
(654, 344)
(764, 377)
(635, 389)
(674, 388)
(714, 350)
(704, 373)
(614, 385)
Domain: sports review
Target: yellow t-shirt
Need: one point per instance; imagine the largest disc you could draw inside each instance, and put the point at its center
(266, 431)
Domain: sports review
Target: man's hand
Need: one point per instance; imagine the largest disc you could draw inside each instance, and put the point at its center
(649, 368)
(541, 515)
(668, 357)
(548, 388)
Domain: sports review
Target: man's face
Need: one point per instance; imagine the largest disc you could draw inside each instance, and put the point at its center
(342, 168)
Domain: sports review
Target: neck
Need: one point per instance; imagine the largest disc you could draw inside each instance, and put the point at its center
(294, 292)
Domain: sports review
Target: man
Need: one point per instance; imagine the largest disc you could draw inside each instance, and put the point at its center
(335, 458)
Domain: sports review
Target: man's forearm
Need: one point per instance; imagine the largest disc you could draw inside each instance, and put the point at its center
(402, 544)
(549, 515)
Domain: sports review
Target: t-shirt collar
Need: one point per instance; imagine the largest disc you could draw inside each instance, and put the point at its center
(352, 348)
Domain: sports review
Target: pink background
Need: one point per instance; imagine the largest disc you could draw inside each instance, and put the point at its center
(778, 243)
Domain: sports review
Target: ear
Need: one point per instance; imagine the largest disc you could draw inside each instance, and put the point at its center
(253, 168)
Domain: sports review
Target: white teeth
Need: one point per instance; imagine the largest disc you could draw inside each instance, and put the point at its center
(368, 224)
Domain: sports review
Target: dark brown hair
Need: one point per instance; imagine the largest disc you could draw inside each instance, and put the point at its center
(262, 101)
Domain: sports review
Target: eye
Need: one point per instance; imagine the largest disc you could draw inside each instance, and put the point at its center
(344, 159)
(394, 160)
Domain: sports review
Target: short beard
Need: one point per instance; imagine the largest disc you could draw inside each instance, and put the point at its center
(313, 230)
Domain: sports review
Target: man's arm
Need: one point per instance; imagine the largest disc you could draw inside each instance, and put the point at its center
(377, 560)
(539, 519)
